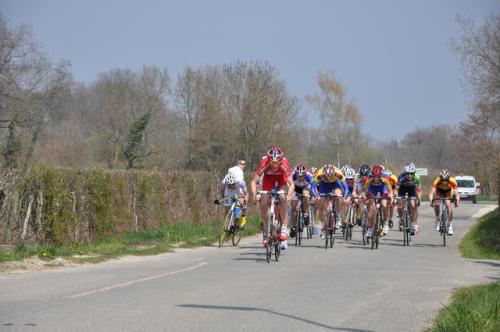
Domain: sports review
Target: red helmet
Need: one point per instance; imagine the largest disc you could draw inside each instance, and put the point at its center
(275, 153)
(377, 170)
(301, 169)
(328, 170)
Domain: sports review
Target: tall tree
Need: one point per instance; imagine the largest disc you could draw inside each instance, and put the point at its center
(479, 50)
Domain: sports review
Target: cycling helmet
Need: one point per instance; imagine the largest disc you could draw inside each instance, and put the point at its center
(350, 173)
(445, 174)
(275, 154)
(301, 169)
(377, 170)
(387, 173)
(410, 168)
(314, 170)
(230, 178)
(345, 168)
(328, 170)
(364, 170)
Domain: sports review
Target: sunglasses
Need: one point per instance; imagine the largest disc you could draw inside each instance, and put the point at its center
(242, 164)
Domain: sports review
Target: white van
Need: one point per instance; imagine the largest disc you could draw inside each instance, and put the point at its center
(467, 187)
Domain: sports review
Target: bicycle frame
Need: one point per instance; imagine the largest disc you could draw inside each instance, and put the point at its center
(273, 224)
(329, 226)
(231, 228)
(444, 221)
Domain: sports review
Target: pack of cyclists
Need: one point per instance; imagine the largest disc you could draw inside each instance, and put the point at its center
(329, 187)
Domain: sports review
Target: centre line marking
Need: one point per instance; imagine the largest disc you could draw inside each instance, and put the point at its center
(128, 283)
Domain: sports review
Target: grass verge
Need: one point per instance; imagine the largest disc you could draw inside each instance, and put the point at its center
(483, 239)
(160, 240)
(473, 309)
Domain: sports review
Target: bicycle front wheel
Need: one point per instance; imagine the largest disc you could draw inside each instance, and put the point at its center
(224, 235)
(238, 232)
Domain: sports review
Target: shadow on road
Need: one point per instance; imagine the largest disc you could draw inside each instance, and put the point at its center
(219, 307)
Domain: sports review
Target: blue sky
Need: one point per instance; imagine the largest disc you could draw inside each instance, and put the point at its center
(394, 57)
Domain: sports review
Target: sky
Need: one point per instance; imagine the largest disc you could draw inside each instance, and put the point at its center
(394, 57)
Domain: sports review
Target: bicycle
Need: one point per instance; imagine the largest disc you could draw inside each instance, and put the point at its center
(233, 223)
(377, 226)
(364, 222)
(350, 221)
(299, 221)
(406, 226)
(329, 227)
(444, 223)
(312, 222)
(273, 226)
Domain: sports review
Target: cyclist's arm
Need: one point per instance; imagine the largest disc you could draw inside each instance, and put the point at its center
(431, 195)
(253, 185)
(291, 187)
(346, 188)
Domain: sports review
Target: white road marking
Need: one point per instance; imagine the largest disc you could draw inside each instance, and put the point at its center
(125, 284)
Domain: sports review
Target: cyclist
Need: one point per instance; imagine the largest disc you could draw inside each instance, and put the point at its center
(375, 185)
(274, 169)
(444, 186)
(350, 180)
(303, 186)
(364, 172)
(329, 178)
(230, 187)
(393, 180)
(409, 182)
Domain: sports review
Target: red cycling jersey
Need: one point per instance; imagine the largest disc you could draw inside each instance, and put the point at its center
(272, 173)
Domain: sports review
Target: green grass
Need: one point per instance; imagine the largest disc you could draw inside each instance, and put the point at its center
(140, 243)
(473, 309)
(483, 240)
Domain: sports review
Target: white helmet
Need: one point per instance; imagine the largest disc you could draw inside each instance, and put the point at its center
(350, 173)
(410, 168)
(230, 178)
(344, 169)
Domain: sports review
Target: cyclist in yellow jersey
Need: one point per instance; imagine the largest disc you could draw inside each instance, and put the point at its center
(444, 186)
(329, 178)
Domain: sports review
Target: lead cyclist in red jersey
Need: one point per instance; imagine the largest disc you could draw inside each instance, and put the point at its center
(274, 169)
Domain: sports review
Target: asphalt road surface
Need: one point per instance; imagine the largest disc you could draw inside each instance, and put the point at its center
(347, 288)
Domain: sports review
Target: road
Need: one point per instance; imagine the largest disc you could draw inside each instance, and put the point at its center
(347, 288)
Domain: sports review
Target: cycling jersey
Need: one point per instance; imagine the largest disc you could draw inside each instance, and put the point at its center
(373, 187)
(305, 183)
(439, 185)
(239, 189)
(392, 179)
(404, 181)
(273, 173)
(407, 186)
(337, 175)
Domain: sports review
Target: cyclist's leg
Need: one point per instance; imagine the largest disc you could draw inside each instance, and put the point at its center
(385, 215)
(414, 215)
(450, 216)
(305, 206)
(339, 205)
(283, 206)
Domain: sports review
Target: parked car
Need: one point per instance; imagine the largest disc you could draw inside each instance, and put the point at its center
(468, 187)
